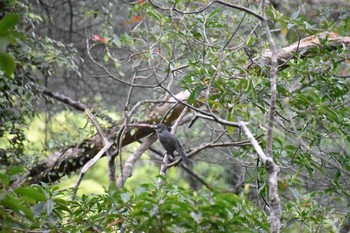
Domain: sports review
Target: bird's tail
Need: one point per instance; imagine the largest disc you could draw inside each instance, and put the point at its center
(183, 155)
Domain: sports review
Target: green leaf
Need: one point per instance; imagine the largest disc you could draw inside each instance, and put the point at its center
(196, 216)
(15, 170)
(32, 193)
(4, 179)
(154, 15)
(116, 41)
(191, 98)
(230, 117)
(38, 208)
(49, 206)
(290, 26)
(8, 22)
(194, 94)
(125, 197)
(7, 64)
(10, 222)
(10, 202)
(336, 176)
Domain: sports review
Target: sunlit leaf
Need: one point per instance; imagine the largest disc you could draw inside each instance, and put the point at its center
(116, 40)
(33, 193)
(7, 64)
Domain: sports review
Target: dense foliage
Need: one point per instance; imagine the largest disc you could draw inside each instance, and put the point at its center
(166, 208)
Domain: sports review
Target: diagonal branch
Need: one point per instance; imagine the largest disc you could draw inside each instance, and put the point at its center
(130, 162)
(107, 144)
(272, 171)
(304, 48)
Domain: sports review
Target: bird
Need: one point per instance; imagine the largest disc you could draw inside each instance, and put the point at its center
(170, 142)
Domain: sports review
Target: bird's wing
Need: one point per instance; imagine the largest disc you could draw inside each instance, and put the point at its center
(167, 140)
(181, 152)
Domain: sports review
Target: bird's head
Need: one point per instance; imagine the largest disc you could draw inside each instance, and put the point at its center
(161, 127)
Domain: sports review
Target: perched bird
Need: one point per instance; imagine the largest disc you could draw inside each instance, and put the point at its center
(170, 143)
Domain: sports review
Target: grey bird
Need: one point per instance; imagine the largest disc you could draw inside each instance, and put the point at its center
(170, 143)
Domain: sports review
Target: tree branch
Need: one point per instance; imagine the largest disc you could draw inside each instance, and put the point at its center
(130, 162)
(107, 144)
(74, 157)
(303, 48)
(271, 167)
(272, 171)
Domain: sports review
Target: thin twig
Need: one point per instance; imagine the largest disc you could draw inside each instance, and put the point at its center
(234, 33)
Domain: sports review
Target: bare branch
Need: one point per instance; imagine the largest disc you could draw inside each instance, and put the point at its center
(121, 132)
(89, 164)
(211, 144)
(272, 170)
(177, 122)
(271, 167)
(130, 162)
(105, 148)
(114, 77)
(64, 99)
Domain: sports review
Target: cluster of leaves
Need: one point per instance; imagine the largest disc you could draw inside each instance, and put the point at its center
(151, 208)
(13, 106)
(8, 36)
